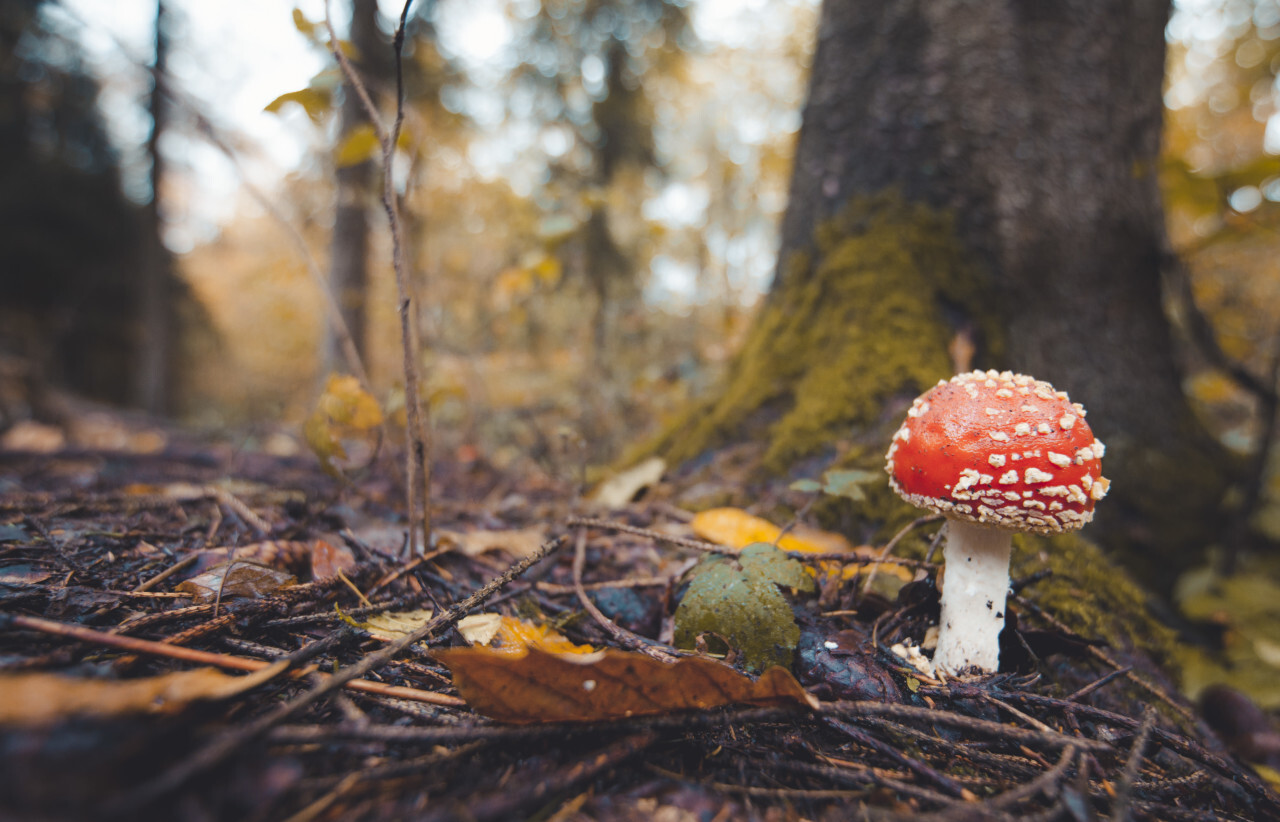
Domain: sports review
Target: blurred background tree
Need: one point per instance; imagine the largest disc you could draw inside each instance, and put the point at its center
(69, 240)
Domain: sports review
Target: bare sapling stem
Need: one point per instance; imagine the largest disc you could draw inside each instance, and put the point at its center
(418, 441)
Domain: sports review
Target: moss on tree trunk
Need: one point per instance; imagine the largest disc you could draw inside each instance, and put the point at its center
(857, 329)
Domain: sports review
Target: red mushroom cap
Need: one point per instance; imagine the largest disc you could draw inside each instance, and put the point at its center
(999, 448)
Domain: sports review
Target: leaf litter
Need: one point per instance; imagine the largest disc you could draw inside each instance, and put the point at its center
(545, 714)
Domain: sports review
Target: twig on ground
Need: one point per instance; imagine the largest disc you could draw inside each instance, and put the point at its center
(181, 564)
(1098, 683)
(954, 720)
(226, 744)
(1124, 791)
(515, 799)
(622, 635)
(234, 663)
(919, 768)
(893, 543)
(711, 547)
(1102, 656)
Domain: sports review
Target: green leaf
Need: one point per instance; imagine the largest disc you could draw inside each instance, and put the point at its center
(360, 146)
(315, 102)
(808, 486)
(743, 606)
(771, 565)
(849, 483)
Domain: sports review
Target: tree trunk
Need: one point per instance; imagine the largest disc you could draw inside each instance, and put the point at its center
(985, 171)
(349, 250)
(156, 337)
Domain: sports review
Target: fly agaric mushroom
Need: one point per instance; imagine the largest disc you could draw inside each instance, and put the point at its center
(993, 452)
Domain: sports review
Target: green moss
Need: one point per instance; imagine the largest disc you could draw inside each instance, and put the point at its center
(1092, 595)
(860, 320)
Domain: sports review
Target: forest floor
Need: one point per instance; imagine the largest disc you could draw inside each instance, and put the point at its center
(131, 574)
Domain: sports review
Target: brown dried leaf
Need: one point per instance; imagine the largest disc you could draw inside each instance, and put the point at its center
(543, 687)
(621, 488)
(40, 698)
(24, 574)
(237, 578)
(519, 543)
(322, 557)
(328, 559)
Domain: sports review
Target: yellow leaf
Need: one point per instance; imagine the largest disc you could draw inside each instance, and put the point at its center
(510, 635)
(315, 102)
(347, 403)
(548, 270)
(405, 141)
(345, 411)
(39, 698)
(359, 146)
(1271, 775)
(303, 25)
(737, 529)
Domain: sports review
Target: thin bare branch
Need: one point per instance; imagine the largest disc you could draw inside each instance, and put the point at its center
(418, 446)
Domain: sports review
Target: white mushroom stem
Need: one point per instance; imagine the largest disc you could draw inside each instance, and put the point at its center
(974, 587)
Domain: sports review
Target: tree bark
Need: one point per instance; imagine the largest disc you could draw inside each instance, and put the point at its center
(1033, 130)
(156, 334)
(349, 249)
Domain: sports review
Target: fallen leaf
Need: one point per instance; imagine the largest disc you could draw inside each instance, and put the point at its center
(328, 560)
(622, 488)
(320, 557)
(738, 529)
(511, 635)
(740, 604)
(393, 625)
(544, 687)
(23, 575)
(237, 578)
(519, 543)
(29, 435)
(40, 698)
(480, 629)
